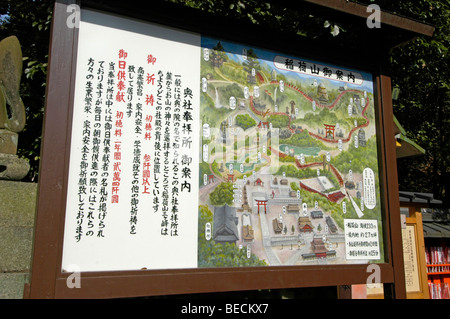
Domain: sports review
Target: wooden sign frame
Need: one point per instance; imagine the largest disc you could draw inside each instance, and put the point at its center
(47, 280)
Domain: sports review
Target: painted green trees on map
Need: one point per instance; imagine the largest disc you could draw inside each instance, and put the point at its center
(295, 141)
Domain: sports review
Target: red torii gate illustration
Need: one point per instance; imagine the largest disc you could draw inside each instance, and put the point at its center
(263, 202)
(329, 129)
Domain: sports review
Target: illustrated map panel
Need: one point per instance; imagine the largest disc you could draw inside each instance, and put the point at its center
(191, 152)
(289, 167)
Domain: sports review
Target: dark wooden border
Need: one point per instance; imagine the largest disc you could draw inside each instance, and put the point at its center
(49, 221)
(398, 289)
(47, 280)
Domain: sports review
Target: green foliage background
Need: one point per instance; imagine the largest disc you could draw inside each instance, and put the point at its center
(420, 69)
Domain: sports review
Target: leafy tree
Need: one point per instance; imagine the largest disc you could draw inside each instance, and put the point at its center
(278, 121)
(421, 70)
(245, 121)
(30, 22)
(303, 139)
(222, 194)
(357, 159)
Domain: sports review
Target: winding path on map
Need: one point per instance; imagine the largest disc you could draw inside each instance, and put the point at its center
(330, 106)
(255, 113)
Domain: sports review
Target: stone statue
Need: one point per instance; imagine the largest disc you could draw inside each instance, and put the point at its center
(12, 110)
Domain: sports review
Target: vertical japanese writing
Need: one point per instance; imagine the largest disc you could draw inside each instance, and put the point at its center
(95, 156)
(82, 181)
(146, 174)
(117, 159)
(134, 201)
(89, 86)
(166, 152)
(146, 165)
(187, 139)
(120, 97)
(157, 144)
(131, 180)
(130, 90)
(136, 141)
(135, 185)
(106, 159)
(121, 76)
(139, 92)
(85, 150)
(177, 155)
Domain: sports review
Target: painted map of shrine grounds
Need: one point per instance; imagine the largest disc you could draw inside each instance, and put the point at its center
(190, 152)
(289, 170)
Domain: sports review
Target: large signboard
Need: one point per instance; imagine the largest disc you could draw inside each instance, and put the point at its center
(194, 152)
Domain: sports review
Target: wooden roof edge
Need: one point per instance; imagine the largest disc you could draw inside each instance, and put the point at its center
(387, 18)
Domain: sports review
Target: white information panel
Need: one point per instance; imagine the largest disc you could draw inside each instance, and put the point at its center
(133, 160)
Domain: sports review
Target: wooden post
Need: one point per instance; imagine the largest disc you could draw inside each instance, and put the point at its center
(51, 201)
